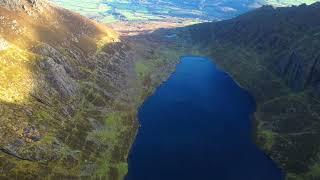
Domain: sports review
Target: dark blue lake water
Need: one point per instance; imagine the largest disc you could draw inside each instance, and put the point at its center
(197, 126)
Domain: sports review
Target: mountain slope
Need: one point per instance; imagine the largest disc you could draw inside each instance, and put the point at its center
(59, 71)
(274, 53)
(69, 92)
(70, 87)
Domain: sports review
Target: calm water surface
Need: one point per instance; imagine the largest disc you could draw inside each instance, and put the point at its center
(197, 126)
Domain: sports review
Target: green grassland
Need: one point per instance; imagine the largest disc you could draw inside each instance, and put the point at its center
(281, 3)
(108, 11)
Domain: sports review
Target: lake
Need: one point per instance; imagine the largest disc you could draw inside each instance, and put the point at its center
(197, 126)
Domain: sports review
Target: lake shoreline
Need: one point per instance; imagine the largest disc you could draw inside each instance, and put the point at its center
(163, 86)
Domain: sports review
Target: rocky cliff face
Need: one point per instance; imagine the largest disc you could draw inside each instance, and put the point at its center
(274, 53)
(67, 109)
(69, 92)
(70, 87)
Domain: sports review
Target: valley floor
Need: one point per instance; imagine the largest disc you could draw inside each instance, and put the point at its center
(286, 122)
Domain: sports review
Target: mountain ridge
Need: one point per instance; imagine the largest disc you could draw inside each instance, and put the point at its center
(69, 93)
(71, 87)
(273, 53)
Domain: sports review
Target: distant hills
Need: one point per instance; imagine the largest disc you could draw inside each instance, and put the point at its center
(69, 92)
(200, 10)
(70, 87)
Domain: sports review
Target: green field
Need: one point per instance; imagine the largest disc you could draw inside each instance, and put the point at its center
(108, 11)
(280, 3)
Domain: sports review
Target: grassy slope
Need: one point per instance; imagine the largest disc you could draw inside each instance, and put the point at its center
(87, 133)
(282, 3)
(62, 143)
(287, 120)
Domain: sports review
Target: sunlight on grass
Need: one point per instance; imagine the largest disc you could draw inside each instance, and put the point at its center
(104, 41)
(15, 75)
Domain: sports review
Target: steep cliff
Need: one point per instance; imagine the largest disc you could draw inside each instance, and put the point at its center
(274, 53)
(70, 88)
(69, 92)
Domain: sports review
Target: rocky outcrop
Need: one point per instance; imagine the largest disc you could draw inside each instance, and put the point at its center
(314, 77)
(23, 4)
(65, 104)
(12, 4)
(298, 71)
(59, 78)
(69, 93)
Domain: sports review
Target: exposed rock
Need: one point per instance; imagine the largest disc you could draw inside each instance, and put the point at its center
(13, 149)
(29, 6)
(295, 72)
(315, 74)
(81, 75)
(60, 78)
(11, 4)
(49, 51)
(25, 150)
(88, 169)
(31, 133)
(32, 1)
(73, 79)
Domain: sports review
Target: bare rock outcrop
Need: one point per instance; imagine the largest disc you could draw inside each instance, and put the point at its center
(29, 6)
(59, 78)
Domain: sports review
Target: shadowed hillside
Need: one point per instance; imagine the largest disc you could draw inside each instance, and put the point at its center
(274, 53)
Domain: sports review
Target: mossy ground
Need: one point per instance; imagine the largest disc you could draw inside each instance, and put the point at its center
(16, 78)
